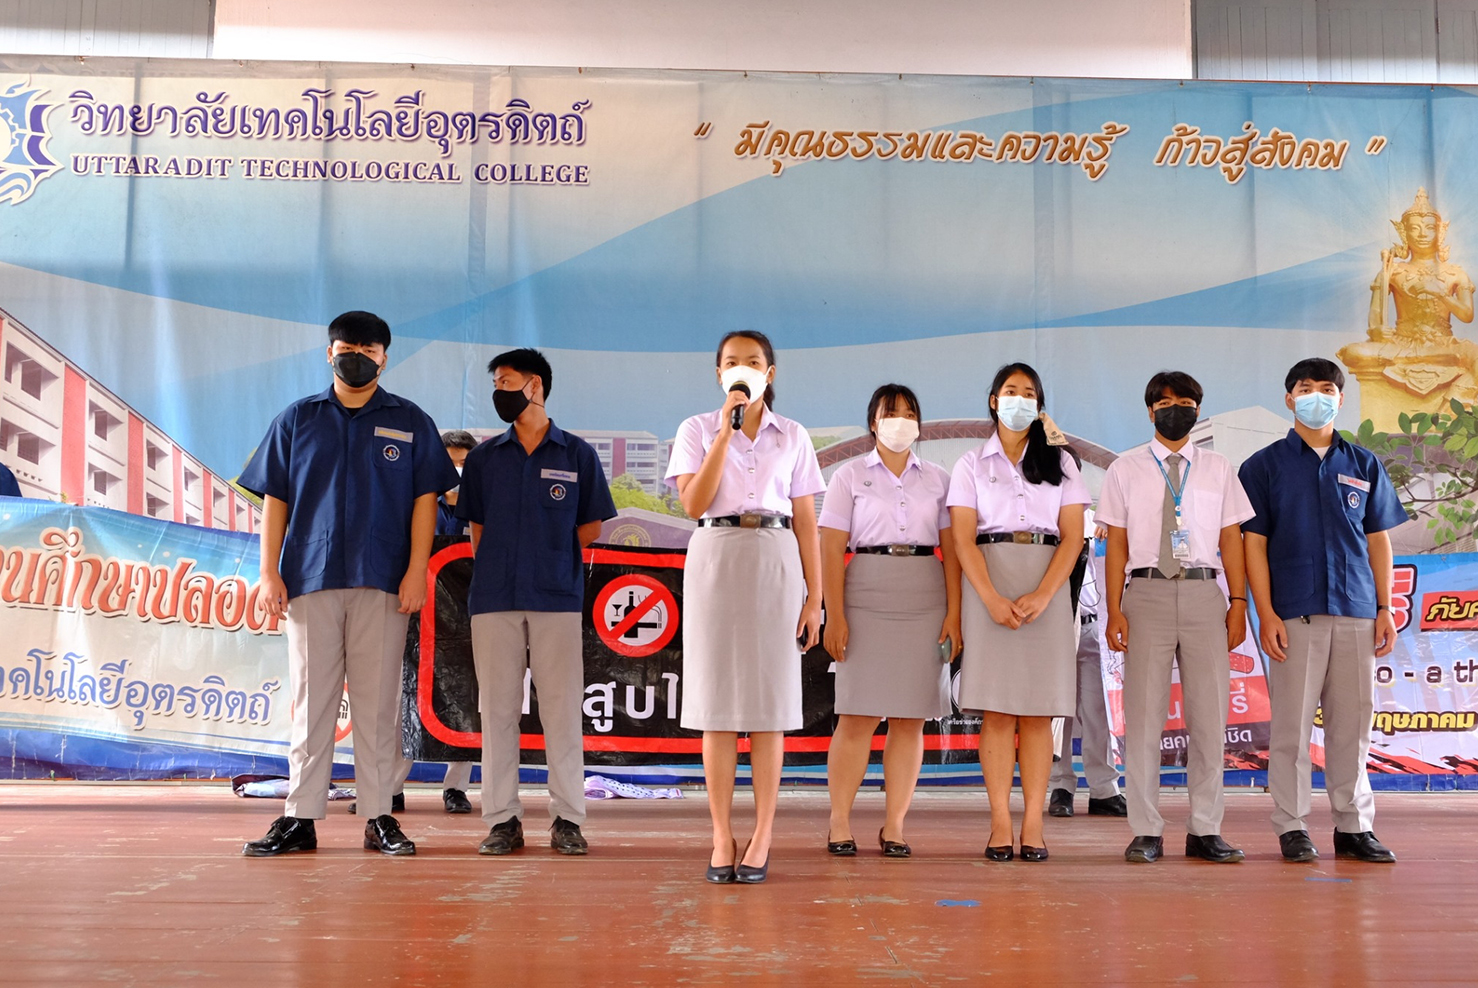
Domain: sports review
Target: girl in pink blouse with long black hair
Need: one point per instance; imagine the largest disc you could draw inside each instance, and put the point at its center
(1017, 508)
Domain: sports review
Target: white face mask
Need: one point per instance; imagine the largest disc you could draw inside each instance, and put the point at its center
(897, 434)
(750, 377)
(1015, 412)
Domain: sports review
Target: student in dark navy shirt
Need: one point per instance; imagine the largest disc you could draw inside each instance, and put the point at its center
(536, 496)
(349, 480)
(458, 444)
(9, 486)
(1319, 563)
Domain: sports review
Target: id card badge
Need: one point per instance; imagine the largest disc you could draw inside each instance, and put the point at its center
(1180, 544)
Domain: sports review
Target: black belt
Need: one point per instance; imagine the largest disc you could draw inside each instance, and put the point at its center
(751, 519)
(897, 549)
(1020, 538)
(1198, 573)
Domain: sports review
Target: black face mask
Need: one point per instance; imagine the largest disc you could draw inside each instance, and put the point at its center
(1174, 422)
(510, 404)
(355, 369)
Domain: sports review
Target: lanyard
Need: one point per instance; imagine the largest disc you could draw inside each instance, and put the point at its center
(1175, 495)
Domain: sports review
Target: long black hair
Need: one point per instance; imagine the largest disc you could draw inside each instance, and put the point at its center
(1040, 463)
(885, 398)
(765, 345)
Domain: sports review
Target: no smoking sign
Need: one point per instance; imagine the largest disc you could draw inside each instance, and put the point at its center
(635, 615)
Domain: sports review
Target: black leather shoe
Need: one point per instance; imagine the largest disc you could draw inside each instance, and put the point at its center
(1112, 806)
(894, 848)
(287, 833)
(750, 874)
(455, 801)
(1030, 853)
(1297, 846)
(1362, 847)
(397, 805)
(723, 874)
(383, 834)
(1002, 853)
(1211, 847)
(504, 838)
(1061, 803)
(565, 837)
(1144, 850)
(841, 848)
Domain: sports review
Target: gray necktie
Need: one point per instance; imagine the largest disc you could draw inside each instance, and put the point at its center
(1169, 565)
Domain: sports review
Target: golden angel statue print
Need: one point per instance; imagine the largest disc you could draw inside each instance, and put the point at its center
(1417, 364)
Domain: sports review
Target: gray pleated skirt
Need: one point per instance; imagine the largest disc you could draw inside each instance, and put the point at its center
(743, 590)
(895, 609)
(1031, 671)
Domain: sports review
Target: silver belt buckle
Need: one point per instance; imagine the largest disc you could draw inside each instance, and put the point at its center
(899, 549)
(1022, 538)
(750, 519)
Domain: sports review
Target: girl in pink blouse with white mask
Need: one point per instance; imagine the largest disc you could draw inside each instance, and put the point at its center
(893, 613)
(751, 589)
(1016, 504)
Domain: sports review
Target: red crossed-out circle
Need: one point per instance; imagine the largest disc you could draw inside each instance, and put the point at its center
(612, 634)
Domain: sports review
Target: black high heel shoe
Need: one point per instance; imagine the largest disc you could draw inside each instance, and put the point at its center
(749, 874)
(1030, 853)
(723, 874)
(894, 848)
(1003, 853)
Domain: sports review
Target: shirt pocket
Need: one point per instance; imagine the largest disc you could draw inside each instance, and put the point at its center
(305, 555)
(557, 503)
(1358, 580)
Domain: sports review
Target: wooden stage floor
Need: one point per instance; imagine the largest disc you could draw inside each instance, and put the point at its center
(145, 885)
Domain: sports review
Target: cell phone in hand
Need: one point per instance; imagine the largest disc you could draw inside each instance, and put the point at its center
(946, 649)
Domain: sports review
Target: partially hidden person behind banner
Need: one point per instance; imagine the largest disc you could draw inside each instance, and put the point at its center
(458, 779)
(751, 589)
(1016, 510)
(349, 480)
(1172, 511)
(1319, 563)
(536, 496)
(1090, 720)
(893, 614)
(9, 486)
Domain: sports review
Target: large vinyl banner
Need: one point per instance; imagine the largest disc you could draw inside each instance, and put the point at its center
(175, 236)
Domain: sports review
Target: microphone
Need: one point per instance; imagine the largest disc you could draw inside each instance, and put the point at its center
(736, 419)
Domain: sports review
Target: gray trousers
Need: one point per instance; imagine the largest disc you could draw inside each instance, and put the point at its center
(504, 644)
(458, 774)
(1331, 664)
(1175, 622)
(336, 637)
(1092, 723)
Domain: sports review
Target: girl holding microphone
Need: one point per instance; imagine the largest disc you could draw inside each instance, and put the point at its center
(1016, 505)
(751, 589)
(893, 613)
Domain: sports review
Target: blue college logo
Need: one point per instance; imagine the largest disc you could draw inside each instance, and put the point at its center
(557, 491)
(1353, 498)
(392, 452)
(24, 160)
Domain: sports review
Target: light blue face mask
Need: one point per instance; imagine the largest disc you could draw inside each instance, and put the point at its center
(1015, 412)
(1316, 409)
